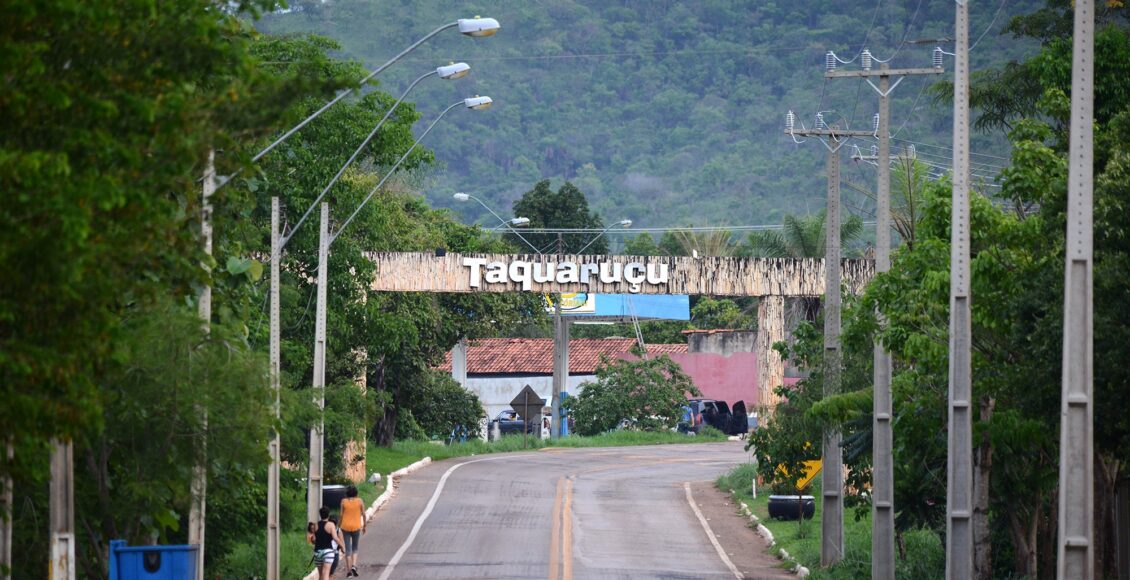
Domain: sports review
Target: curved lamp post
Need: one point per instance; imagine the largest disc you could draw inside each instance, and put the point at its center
(325, 238)
(510, 226)
(623, 223)
(455, 70)
(474, 27)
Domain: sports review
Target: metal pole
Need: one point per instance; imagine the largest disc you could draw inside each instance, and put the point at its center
(273, 474)
(832, 508)
(62, 565)
(1076, 555)
(7, 513)
(959, 463)
(560, 364)
(197, 513)
(314, 486)
(883, 498)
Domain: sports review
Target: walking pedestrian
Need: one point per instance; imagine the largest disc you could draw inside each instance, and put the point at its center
(323, 535)
(353, 524)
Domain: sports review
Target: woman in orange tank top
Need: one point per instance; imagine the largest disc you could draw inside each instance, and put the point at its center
(352, 526)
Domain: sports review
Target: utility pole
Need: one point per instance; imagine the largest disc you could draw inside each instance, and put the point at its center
(959, 456)
(1076, 535)
(560, 364)
(275, 357)
(62, 516)
(7, 513)
(197, 511)
(314, 486)
(882, 484)
(832, 500)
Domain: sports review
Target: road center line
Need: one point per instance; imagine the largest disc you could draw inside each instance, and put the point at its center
(424, 516)
(567, 531)
(710, 533)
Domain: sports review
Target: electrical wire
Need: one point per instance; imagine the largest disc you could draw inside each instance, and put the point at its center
(990, 26)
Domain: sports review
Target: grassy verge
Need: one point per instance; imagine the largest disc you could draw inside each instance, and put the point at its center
(925, 555)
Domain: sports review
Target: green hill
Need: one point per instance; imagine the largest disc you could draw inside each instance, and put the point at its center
(665, 112)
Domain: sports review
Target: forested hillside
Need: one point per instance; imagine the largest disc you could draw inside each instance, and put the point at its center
(665, 112)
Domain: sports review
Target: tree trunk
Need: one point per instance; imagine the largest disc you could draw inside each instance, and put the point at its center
(982, 471)
(1024, 535)
(1047, 540)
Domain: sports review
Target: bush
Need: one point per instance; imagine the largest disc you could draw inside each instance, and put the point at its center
(650, 394)
(437, 404)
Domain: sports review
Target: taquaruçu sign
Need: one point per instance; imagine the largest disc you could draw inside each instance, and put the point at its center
(713, 276)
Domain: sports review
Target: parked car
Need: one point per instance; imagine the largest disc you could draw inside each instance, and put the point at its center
(510, 422)
(717, 414)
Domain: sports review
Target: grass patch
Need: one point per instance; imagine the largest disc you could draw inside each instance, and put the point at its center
(925, 555)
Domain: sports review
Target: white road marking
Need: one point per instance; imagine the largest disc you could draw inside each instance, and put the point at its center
(424, 516)
(709, 534)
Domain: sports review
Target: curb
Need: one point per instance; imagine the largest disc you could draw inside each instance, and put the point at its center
(767, 535)
(382, 499)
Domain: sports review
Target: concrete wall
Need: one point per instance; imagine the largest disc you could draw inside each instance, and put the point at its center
(723, 343)
(496, 391)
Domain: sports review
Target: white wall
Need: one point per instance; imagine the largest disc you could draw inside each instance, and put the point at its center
(497, 392)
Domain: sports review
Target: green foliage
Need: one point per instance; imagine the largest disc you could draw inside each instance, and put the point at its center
(648, 393)
(565, 208)
(438, 403)
(661, 112)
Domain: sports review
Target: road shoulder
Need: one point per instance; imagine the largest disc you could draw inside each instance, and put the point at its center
(745, 548)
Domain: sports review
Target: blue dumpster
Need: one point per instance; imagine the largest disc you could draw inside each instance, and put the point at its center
(152, 562)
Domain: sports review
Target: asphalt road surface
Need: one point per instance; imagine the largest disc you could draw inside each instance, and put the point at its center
(560, 514)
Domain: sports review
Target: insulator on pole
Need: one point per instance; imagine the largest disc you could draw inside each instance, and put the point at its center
(830, 61)
(875, 151)
(911, 152)
(938, 57)
(866, 59)
(875, 124)
(790, 121)
(820, 124)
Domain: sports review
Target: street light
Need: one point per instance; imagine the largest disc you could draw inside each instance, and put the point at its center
(455, 70)
(476, 27)
(517, 222)
(466, 196)
(624, 223)
(325, 238)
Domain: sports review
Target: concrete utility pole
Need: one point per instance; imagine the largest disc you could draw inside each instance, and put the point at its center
(832, 502)
(959, 456)
(882, 505)
(314, 485)
(1075, 544)
(197, 511)
(62, 516)
(276, 358)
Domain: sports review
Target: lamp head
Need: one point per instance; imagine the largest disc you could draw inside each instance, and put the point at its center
(477, 103)
(478, 27)
(455, 70)
(520, 221)
(626, 223)
(461, 196)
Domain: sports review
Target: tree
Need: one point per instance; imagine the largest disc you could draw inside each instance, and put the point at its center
(649, 393)
(565, 208)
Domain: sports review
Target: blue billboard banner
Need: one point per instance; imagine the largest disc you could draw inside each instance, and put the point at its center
(624, 306)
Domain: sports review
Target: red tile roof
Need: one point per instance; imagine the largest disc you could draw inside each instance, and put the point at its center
(535, 355)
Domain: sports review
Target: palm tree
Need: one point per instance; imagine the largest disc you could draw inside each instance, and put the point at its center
(908, 177)
(801, 237)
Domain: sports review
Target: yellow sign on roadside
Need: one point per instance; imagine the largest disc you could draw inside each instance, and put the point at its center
(811, 469)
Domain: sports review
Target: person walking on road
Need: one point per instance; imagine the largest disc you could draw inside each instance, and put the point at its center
(323, 535)
(352, 526)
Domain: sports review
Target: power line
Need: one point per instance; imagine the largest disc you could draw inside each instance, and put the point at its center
(990, 26)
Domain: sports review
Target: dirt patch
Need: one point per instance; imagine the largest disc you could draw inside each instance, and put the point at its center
(746, 549)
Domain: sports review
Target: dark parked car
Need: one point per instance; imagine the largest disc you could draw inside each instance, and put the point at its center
(510, 422)
(717, 414)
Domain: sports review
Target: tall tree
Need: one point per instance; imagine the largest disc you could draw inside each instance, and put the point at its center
(565, 208)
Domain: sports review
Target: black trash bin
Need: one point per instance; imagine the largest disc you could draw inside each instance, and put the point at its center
(332, 496)
(784, 507)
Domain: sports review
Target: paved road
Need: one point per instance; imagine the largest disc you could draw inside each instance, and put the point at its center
(559, 514)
